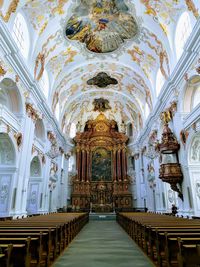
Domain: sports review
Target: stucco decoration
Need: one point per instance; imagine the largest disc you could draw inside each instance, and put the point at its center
(53, 176)
(102, 25)
(5, 183)
(170, 196)
(7, 156)
(102, 80)
(195, 150)
(198, 188)
(151, 174)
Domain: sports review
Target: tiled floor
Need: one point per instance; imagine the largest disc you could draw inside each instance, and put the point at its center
(103, 244)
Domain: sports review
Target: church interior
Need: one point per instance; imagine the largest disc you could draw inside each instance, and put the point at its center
(100, 130)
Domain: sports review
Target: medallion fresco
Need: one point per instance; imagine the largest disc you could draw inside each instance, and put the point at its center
(102, 25)
(101, 165)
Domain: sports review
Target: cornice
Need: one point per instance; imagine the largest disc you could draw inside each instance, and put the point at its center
(192, 48)
(11, 53)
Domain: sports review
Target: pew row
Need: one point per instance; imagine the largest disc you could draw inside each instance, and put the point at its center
(39, 240)
(168, 241)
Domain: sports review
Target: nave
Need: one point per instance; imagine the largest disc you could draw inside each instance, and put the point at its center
(58, 239)
(103, 244)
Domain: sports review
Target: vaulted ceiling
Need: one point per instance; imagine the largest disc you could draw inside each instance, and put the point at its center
(129, 40)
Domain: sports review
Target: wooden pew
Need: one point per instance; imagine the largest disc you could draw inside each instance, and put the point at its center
(157, 234)
(53, 233)
(189, 254)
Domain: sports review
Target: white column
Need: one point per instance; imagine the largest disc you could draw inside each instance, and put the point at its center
(24, 167)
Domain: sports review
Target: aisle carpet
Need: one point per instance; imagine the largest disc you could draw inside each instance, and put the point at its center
(103, 244)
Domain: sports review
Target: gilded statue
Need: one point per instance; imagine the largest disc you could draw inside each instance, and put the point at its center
(166, 116)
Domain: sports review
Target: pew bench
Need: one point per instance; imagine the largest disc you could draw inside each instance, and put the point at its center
(189, 254)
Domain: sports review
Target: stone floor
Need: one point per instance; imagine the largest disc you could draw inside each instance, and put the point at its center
(103, 244)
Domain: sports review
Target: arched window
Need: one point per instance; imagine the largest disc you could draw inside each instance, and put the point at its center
(147, 110)
(192, 94)
(72, 130)
(160, 80)
(44, 83)
(21, 35)
(57, 111)
(183, 31)
(196, 97)
(130, 130)
(71, 162)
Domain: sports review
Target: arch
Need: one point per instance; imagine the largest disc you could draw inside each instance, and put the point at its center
(40, 130)
(183, 30)
(10, 96)
(192, 94)
(20, 34)
(35, 167)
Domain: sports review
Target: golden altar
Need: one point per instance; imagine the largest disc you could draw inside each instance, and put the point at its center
(101, 183)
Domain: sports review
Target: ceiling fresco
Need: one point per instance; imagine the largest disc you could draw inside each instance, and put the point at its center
(76, 41)
(101, 25)
(102, 80)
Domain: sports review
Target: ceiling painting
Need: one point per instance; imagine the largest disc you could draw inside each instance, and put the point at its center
(102, 80)
(102, 26)
(101, 104)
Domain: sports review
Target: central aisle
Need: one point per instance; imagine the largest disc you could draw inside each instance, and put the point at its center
(103, 244)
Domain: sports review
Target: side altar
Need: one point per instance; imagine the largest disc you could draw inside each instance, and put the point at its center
(101, 183)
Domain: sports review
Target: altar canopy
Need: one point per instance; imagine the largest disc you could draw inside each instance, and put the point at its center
(101, 183)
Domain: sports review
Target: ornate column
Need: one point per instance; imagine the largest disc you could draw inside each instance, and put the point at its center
(90, 166)
(78, 160)
(114, 164)
(87, 163)
(83, 163)
(119, 163)
(124, 168)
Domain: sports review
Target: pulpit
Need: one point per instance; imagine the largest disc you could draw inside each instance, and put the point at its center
(101, 181)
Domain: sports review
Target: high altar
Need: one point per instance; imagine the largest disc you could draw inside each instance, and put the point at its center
(101, 183)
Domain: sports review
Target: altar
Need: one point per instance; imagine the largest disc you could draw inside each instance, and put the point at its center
(101, 183)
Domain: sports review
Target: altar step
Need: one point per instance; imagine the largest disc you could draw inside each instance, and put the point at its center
(102, 217)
